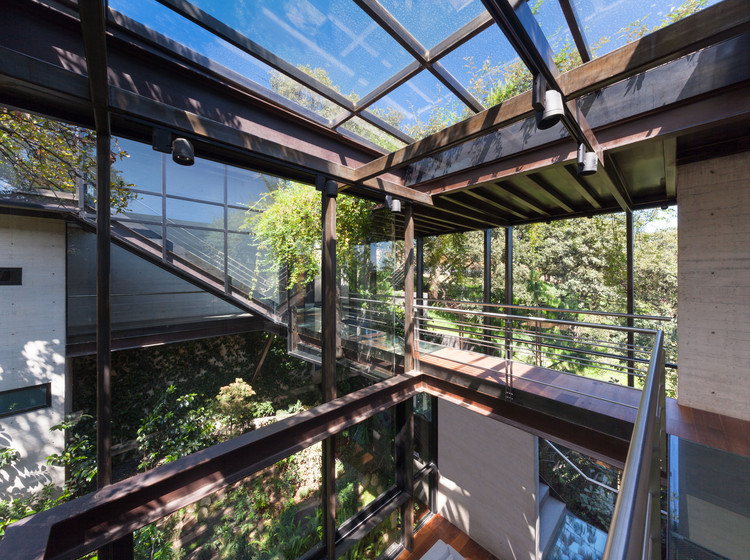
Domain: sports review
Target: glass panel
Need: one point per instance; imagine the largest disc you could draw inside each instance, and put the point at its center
(247, 271)
(374, 134)
(236, 218)
(347, 49)
(365, 464)
(204, 249)
(709, 502)
(184, 32)
(141, 169)
(246, 188)
(421, 106)
(204, 180)
(551, 19)
(431, 22)
(609, 25)
(273, 514)
(488, 67)
(423, 452)
(143, 207)
(188, 213)
(20, 400)
(377, 541)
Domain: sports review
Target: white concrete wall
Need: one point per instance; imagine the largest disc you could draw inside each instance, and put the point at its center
(32, 346)
(714, 285)
(488, 481)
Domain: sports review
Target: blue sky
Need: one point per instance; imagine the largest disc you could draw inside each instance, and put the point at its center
(358, 55)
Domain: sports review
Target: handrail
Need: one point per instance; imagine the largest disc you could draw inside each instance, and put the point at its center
(554, 309)
(539, 320)
(579, 471)
(634, 532)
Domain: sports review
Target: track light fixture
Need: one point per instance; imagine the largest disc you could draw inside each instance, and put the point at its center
(547, 103)
(587, 161)
(181, 149)
(393, 203)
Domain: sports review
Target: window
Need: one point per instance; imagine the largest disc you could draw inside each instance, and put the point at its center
(25, 399)
(10, 276)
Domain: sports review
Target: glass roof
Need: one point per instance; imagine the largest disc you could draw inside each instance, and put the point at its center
(330, 61)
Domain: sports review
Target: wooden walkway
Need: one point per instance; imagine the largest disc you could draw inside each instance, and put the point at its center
(439, 528)
(610, 399)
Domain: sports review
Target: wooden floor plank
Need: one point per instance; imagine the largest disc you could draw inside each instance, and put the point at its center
(439, 528)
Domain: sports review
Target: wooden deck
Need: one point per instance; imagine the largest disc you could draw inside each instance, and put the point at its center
(440, 528)
(609, 399)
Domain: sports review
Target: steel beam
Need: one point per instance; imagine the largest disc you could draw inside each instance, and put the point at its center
(630, 289)
(409, 349)
(576, 29)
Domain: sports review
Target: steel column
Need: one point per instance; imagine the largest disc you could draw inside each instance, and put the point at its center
(509, 301)
(487, 291)
(329, 190)
(405, 468)
(409, 350)
(630, 292)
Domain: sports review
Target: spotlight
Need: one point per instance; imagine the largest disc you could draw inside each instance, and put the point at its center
(548, 104)
(393, 203)
(182, 151)
(665, 207)
(587, 161)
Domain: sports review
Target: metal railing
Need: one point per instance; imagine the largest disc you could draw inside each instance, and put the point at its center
(601, 351)
(635, 532)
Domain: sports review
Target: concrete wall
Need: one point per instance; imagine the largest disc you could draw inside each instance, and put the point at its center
(488, 481)
(714, 285)
(32, 346)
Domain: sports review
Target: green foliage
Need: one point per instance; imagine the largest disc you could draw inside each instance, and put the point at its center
(7, 456)
(174, 428)
(18, 508)
(154, 542)
(41, 153)
(78, 456)
(235, 407)
(288, 229)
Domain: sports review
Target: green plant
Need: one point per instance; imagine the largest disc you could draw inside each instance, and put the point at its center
(7, 456)
(79, 454)
(175, 428)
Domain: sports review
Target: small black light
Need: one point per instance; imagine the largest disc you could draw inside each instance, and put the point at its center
(182, 151)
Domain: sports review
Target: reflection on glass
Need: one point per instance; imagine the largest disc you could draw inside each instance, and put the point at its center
(201, 248)
(246, 188)
(373, 134)
(420, 107)
(485, 64)
(431, 22)
(142, 167)
(610, 24)
(335, 37)
(188, 213)
(144, 207)
(203, 181)
(377, 541)
(365, 464)
(273, 514)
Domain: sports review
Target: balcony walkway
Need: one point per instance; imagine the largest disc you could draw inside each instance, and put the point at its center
(608, 399)
(440, 528)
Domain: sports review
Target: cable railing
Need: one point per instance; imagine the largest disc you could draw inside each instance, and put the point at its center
(594, 350)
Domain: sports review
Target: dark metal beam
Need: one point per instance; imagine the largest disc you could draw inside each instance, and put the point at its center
(533, 182)
(487, 198)
(509, 265)
(576, 29)
(630, 288)
(404, 456)
(670, 167)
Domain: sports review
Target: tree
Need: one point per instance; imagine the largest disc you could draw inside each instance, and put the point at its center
(37, 153)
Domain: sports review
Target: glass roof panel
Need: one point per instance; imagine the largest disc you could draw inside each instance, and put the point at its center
(484, 61)
(373, 134)
(420, 107)
(431, 21)
(336, 36)
(175, 27)
(609, 24)
(551, 19)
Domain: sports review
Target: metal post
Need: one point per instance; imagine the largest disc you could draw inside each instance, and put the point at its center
(164, 255)
(409, 350)
(405, 468)
(329, 191)
(103, 313)
(227, 285)
(630, 290)
(487, 292)
(508, 301)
